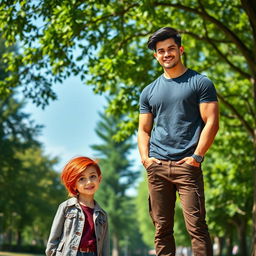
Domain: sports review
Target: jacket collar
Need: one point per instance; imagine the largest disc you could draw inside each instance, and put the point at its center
(73, 201)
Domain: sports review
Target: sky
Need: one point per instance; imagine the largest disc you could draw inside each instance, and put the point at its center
(70, 121)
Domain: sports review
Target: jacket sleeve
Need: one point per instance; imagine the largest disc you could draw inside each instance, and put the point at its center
(106, 242)
(56, 232)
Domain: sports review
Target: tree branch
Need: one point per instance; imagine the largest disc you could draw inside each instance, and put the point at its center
(247, 102)
(248, 54)
(235, 111)
(210, 41)
(245, 74)
(114, 14)
(250, 8)
(127, 39)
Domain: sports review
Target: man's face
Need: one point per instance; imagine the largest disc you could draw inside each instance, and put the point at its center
(168, 53)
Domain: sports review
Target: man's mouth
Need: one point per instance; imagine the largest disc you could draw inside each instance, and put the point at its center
(168, 60)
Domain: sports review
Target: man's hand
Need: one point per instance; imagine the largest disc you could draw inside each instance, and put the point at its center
(148, 161)
(189, 160)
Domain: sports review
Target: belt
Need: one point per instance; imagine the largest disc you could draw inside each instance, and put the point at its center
(86, 250)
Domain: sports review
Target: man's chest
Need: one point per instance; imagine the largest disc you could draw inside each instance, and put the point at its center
(171, 95)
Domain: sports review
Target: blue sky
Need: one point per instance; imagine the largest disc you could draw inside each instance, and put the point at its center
(70, 121)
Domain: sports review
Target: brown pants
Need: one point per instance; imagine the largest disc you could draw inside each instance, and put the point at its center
(164, 180)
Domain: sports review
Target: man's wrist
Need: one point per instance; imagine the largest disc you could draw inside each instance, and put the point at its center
(143, 160)
(198, 158)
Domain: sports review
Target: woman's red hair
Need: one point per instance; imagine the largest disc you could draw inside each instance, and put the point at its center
(73, 170)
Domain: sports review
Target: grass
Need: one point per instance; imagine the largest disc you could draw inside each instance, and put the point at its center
(18, 254)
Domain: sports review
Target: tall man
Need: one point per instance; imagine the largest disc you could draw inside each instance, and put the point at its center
(177, 125)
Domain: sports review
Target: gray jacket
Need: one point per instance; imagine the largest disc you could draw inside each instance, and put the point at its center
(67, 229)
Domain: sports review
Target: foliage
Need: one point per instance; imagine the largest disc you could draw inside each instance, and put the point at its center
(229, 184)
(27, 178)
(104, 42)
(38, 187)
(107, 40)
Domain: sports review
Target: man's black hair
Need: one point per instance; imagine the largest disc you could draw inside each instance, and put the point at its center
(163, 34)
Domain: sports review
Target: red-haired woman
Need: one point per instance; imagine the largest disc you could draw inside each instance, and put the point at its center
(80, 226)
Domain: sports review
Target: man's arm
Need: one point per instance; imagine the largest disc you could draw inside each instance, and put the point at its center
(210, 114)
(144, 133)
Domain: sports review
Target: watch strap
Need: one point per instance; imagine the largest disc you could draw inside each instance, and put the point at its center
(198, 158)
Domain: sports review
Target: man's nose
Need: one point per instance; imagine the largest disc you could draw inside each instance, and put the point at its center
(166, 53)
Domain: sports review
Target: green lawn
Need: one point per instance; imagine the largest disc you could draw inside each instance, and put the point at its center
(18, 254)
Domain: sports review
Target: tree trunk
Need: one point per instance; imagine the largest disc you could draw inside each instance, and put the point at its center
(221, 244)
(229, 243)
(115, 251)
(19, 239)
(9, 236)
(253, 252)
(242, 238)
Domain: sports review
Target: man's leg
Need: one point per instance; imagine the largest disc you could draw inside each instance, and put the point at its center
(162, 197)
(191, 190)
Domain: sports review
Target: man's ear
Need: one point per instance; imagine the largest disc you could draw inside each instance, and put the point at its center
(181, 50)
(155, 54)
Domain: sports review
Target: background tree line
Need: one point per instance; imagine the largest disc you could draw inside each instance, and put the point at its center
(104, 43)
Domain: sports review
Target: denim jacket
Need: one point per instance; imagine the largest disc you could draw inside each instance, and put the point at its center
(67, 229)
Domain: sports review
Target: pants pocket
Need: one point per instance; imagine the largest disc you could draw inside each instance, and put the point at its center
(150, 210)
(201, 203)
(191, 167)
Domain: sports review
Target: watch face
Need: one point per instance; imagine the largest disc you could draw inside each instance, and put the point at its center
(200, 159)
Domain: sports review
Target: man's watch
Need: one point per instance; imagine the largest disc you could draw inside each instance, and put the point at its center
(199, 159)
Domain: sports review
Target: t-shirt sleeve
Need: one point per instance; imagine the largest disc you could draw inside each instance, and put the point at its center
(144, 104)
(207, 91)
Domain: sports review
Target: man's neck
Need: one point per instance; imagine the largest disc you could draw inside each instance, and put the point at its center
(175, 71)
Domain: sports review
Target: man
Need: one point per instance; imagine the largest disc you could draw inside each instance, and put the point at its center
(177, 125)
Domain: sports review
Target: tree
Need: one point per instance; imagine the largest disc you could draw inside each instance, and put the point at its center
(117, 179)
(27, 179)
(43, 192)
(17, 133)
(229, 184)
(109, 38)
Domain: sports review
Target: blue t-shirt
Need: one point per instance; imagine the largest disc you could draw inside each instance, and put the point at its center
(174, 104)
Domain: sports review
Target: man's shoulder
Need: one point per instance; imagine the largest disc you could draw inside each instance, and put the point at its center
(199, 76)
(152, 84)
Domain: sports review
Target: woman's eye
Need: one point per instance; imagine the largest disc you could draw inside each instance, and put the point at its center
(81, 179)
(93, 177)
